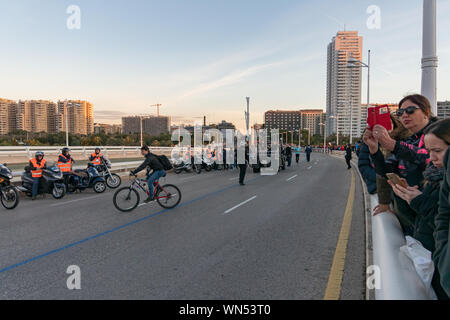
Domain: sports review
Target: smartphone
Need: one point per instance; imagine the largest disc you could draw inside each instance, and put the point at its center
(397, 180)
(379, 115)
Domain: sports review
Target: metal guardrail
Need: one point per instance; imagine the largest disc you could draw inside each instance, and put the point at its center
(399, 279)
(29, 151)
(120, 166)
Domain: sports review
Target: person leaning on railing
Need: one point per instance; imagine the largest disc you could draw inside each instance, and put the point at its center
(412, 158)
(366, 168)
(441, 256)
(384, 190)
(426, 202)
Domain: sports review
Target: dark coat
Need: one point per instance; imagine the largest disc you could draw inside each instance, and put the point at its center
(409, 160)
(151, 162)
(441, 254)
(366, 168)
(426, 207)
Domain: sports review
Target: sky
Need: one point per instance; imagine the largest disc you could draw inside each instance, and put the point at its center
(203, 57)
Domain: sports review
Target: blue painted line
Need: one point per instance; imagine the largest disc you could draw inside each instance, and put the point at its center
(39, 257)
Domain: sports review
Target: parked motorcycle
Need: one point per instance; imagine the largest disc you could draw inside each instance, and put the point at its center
(182, 166)
(113, 180)
(83, 179)
(9, 196)
(51, 182)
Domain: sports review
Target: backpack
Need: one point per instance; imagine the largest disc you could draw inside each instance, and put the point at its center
(165, 162)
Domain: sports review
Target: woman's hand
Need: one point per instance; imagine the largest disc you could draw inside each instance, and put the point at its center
(407, 194)
(370, 141)
(382, 135)
(382, 208)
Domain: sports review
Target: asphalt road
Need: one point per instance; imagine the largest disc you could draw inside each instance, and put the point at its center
(274, 238)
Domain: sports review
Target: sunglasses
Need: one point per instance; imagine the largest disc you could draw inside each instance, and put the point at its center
(409, 110)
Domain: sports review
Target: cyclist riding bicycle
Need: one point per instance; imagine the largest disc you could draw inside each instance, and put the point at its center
(151, 162)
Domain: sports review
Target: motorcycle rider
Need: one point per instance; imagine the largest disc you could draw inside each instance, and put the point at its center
(151, 162)
(96, 157)
(36, 165)
(65, 162)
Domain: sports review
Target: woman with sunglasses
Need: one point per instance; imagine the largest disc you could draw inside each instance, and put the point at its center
(411, 156)
(426, 202)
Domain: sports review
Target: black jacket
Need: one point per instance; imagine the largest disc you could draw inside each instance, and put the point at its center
(441, 254)
(348, 153)
(151, 162)
(409, 160)
(288, 151)
(366, 168)
(426, 207)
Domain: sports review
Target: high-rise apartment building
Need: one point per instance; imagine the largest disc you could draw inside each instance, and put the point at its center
(46, 116)
(443, 109)
(311, 120)
(80, 117)
(282, 120)
(344, 84)
(23, 117)
(8, 111)
(153, 126)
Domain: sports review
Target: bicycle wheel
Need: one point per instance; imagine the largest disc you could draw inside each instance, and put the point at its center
(10, 198)
(126, 199)
(168, 196)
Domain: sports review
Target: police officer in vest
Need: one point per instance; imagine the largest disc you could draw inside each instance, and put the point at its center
(96, 157)
(65, 162)
(36, 165)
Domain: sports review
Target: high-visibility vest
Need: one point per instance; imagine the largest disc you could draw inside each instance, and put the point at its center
(38, 172)
(65, 166)
(97, 159)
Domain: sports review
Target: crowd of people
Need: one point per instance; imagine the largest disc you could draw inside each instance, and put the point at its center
(407, 167)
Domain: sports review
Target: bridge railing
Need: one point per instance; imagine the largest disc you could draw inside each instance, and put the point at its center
(398, 277)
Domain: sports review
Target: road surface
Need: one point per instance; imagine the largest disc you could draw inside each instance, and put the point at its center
(274, 238)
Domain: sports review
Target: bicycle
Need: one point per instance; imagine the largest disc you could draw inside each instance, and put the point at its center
(130, 195)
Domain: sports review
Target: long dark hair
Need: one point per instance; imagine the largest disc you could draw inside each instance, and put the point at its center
(440, 129)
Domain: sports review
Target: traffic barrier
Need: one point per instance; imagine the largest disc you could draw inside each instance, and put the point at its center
(16, 155)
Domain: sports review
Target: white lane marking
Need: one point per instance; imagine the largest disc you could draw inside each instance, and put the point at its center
(292, 177)
(75, 200)
(309, 168)
(240, 204)
(234, 178)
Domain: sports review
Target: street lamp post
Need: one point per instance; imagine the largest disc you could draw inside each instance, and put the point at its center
(337, 129)
(324, 135)
(66, 103)
(142, 138)
(354, 63)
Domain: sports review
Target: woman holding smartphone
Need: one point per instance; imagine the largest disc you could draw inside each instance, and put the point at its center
(426, 203)
(409, 157)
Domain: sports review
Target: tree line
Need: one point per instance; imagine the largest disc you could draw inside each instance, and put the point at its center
(23, 138)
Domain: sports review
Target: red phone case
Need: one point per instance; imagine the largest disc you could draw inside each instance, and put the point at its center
(379, 115)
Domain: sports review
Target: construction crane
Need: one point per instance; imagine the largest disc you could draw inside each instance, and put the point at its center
(157, 105)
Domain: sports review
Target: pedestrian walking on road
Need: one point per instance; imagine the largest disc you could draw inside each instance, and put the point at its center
(297, 154)
(243, 166)
(308, 152)
(289, 155)
(348, 155)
